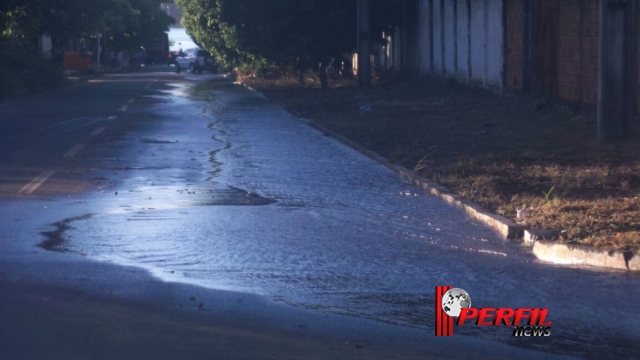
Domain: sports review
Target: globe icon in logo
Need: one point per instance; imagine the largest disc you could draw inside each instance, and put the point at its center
(455, 300)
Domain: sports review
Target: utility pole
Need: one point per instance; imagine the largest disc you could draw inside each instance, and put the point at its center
(364, 45)
(617, 69)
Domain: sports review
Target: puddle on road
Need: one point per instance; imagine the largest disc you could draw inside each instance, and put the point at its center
(55, 239)
(346, 236)
(208, 86)
(175, 90)
(157, 141)
(230, 196)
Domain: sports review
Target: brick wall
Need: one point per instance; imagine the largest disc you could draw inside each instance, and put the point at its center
(591, 46)
(569, 61)
(638, 68)
(578, 52)
(514, 44)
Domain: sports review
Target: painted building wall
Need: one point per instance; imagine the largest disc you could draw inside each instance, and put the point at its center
(514, 67)
(450, 46)
(436, 37)
(501, 44)
(494, 41)
(477, 39)
(423, 43)
(462, 39)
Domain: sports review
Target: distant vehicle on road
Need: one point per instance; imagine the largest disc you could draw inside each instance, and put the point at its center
(158, 49)
(171, 58)
(196, 60)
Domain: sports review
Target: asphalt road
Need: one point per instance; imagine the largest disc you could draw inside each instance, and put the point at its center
(162, 215)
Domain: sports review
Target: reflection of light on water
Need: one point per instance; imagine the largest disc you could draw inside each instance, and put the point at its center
(176, 276)
(492, 252)
(177, 90)
(482, 251)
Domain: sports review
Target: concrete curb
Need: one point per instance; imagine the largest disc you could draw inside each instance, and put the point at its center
(543, 249)
(569, 254)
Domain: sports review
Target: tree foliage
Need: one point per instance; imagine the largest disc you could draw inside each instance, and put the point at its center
(304, 33)
(21, 21)
(144, 21)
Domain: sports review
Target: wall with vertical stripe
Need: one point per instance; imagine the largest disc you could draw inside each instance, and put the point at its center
(462, 39)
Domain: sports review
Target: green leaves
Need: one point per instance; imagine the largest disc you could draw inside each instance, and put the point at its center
(62, 19)
(136, 22)
(285, 32)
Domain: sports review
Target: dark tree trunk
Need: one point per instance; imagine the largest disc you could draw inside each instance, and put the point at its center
(57, 51)
(364, 45)
(324, 82)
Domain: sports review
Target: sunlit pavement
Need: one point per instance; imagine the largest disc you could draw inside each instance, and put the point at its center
(201, 186)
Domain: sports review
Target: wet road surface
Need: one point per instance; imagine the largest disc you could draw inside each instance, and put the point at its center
(200, 181)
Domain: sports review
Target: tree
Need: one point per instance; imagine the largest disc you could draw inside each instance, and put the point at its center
(134, 20)
(307, 34)
(133, 23)
(364, 45)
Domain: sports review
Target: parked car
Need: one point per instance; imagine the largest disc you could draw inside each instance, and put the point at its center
(196, 60)
(171, 58)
